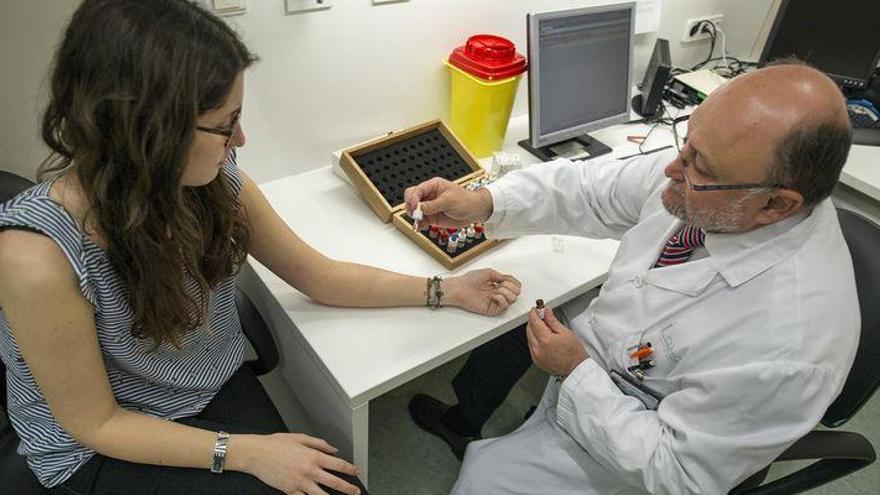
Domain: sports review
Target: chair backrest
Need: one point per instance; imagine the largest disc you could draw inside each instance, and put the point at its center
(863, 238)
(10, 186)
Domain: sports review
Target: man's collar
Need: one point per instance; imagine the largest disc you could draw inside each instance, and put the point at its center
(736, 257)
(740, 257)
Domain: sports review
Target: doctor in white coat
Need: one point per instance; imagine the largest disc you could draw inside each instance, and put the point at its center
(751, 334)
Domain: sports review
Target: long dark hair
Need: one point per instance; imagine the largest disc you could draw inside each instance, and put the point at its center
(129, 80)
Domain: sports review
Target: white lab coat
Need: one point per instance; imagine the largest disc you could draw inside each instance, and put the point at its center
(753, 342)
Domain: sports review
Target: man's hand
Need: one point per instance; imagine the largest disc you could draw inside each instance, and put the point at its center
(554, 348)
(447, 204)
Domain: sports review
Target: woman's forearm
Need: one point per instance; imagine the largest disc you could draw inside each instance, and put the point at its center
(143, 439)
(351, 284)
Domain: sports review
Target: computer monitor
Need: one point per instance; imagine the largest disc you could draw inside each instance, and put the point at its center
(579, 78)
(840, 38)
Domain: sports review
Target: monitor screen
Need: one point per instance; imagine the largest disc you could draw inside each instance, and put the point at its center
(579, 76)
(840, 38)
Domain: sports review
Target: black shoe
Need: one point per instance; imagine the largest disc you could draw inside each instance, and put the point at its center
(427, 412)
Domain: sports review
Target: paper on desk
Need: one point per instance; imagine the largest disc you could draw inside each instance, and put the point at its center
(648, 15)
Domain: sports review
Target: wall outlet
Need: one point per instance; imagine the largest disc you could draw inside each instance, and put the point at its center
(297, 6)
(693, 31)
(229, 7)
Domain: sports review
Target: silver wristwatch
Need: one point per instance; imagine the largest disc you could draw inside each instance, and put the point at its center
(220, 447)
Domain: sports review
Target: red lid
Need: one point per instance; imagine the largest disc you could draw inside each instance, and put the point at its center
(478, 228)
(452, 230)
(489, 57)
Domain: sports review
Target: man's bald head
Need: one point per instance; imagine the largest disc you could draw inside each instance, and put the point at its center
(792, 120)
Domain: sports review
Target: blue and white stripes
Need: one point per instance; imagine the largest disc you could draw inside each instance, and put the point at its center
(168, 383)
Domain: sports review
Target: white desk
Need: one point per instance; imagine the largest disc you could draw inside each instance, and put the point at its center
(861, 180)
(336, 360)
(862, 170)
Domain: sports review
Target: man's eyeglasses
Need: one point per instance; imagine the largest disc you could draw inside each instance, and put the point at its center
(679, 132)
(227, 133)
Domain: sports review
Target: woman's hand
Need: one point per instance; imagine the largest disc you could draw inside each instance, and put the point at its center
(481, 291)
(291, 462)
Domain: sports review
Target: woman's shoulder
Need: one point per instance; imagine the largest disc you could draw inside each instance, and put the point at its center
(41, 241)
(33, 267)
(31, 259)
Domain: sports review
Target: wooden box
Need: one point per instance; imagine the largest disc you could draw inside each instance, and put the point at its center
(383, 168)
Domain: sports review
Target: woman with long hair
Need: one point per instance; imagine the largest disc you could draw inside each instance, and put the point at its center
(119, 332)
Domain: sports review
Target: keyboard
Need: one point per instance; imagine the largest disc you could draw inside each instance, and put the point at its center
(863, 115)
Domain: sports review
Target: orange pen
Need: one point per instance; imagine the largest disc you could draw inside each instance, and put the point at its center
(642, 353)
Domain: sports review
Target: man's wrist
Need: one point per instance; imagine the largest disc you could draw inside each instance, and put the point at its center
(485, 206)
(577, 362)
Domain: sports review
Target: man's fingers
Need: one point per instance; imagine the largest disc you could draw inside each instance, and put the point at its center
(552, 323)
(411, 197)
(533, 342)
(437, 206)
(539, 327)
(425, 191)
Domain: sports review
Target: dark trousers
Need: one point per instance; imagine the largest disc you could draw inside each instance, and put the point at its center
(490, 373)
(241, 406)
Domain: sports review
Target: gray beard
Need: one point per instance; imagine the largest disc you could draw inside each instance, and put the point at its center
(720, 221)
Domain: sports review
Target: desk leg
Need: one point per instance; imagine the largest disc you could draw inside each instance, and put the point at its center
(330, 414)
(360, 437)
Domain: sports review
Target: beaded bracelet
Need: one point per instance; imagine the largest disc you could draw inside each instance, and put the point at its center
(434, 296)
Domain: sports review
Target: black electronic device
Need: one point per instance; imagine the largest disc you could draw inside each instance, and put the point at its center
(648, 102)
(840, 38)
(579, 78)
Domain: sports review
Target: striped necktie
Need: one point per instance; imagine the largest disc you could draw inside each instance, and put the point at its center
(680, 246)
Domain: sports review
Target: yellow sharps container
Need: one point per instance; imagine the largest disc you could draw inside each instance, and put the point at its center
(485, 74)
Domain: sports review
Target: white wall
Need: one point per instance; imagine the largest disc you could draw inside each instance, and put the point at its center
(331, 78)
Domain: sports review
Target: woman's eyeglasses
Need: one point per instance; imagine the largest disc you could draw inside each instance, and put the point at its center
(227, 133)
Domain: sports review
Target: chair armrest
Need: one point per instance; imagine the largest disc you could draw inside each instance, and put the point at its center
(838, 452)
(257, 333)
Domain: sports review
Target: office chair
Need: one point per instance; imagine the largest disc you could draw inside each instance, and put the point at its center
(15, 476)
(838, 453)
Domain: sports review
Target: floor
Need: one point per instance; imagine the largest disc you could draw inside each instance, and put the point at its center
(404, 459)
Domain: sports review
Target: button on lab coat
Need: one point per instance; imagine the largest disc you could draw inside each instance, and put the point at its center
(752, 339)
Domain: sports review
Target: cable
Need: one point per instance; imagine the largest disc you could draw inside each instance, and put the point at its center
(723, 47)
(660, 121)
(714, 34)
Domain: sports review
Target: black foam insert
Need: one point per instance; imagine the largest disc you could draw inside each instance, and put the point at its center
(462, 248)
(416, 159)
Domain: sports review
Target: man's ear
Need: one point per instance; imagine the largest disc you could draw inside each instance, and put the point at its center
(781, 204)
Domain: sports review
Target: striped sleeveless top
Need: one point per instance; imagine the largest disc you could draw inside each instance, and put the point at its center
(166, 383)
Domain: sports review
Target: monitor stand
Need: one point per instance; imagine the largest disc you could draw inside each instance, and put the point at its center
(581, 147)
